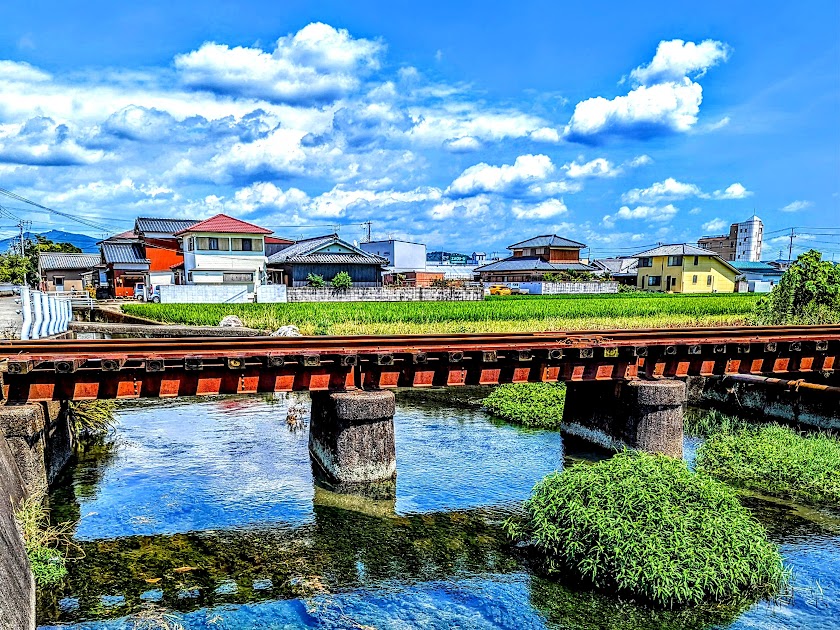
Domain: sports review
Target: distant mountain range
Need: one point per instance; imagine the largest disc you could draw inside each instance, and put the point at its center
(86, 243)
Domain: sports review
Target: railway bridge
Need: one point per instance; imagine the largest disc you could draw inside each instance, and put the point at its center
(625, 387)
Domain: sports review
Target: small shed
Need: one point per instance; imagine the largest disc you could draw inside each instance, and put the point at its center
(325, 256)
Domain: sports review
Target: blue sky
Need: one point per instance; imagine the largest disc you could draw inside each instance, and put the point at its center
(468, 126)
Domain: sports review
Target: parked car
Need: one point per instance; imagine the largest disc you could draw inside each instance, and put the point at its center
(499, 289)
(140, 292)
(515, 289)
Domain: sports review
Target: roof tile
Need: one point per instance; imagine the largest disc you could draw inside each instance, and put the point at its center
(222, 223)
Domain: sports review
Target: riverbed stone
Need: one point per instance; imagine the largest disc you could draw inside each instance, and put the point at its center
(351, 439)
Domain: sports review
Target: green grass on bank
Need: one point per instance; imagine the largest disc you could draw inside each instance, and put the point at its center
(538, 405)
(645, 526)
(46, 545)
(496, 314)
(777, 461)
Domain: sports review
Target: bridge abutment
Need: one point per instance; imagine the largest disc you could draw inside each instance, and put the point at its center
(351, 441)
(644, 415)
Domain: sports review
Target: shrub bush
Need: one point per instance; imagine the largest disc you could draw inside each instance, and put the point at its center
(808, 293)
(776, 460)
(46, 545)
(315, 280)
(342, 281)
(645, 526)
(530, 404)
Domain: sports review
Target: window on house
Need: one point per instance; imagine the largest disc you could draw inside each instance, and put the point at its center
(190, 244)
(213, 243)
(654, 281)
(645, 262)
(246, 245)
(189, 276)
(59, 283)
(696, 260)
(694, 279)
(708, 280)
(675, 261)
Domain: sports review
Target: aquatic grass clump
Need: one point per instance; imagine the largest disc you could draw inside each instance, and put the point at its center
(704, 423)
(646, 527)
(530, 404)
(90, 419)
(778, 461)
(46, 545)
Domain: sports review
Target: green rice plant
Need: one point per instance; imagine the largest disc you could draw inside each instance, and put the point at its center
(776, 460)
(646, 527)
(706, 422)
(46, 545)
(530, 404)
(90, 419)
(495, 314)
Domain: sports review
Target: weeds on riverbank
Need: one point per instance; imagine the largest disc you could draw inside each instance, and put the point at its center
(778, 461)
(645, 526)
(538, 405)
(46, 545)
(90, 419)
(525, 313)
(704, 423)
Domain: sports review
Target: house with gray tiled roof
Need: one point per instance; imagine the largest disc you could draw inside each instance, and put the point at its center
(325, 256)
(67, 272)
(531, 259)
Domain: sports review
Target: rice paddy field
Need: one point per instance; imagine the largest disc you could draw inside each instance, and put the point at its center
(494, 314)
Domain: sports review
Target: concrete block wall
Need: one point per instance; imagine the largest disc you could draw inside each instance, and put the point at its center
(384, 294)
(557, 288)
(271, 293)
(204, 294)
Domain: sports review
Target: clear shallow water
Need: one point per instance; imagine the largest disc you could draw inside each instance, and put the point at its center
(207, 509)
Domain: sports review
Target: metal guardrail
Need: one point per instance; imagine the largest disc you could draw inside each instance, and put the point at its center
(44, 314)
(79, 299)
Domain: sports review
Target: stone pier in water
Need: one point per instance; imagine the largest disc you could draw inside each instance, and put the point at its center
(351, 441)
(644, 415)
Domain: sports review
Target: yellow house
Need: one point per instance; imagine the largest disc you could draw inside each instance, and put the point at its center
(684, 269)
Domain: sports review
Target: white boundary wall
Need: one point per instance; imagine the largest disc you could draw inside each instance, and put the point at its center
(384, 294)
(204, 294)
(559, 288)
(271, 293)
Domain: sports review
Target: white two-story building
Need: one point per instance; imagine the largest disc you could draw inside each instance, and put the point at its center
(223, 250)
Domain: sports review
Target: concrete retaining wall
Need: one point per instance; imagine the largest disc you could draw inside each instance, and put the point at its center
(35, 444)
(558, 288)
(204, 294)
(384, 294)
(803, 406)
(17, 585)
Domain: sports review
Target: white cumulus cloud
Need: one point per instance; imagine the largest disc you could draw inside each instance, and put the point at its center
(796, 206)
(484, 178)
(542, 210)
(599, 167)
(676, 59)
(649, 213)
(318, 63)
(715, 225)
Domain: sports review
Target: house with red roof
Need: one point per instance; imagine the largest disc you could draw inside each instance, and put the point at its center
(223, 250)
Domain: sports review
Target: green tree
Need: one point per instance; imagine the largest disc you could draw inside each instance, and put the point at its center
(808, 293)
(342, 281)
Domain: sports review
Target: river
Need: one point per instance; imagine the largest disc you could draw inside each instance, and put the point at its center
(203, 514)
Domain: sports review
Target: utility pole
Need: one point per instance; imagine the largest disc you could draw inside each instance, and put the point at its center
(23, 226)
(367, 225)
(790, 250)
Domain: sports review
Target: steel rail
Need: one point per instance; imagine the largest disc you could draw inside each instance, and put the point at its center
(43, 349)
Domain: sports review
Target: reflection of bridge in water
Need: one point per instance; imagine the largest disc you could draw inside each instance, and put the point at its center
(350, 543)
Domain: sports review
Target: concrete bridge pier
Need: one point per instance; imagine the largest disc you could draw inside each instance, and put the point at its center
(351, 442)
(643, 415)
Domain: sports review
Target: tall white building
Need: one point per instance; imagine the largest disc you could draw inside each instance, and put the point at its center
(748, 246)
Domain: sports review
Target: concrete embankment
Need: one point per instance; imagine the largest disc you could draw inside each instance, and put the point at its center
(35, 444)
(162, 330)
(785, 400)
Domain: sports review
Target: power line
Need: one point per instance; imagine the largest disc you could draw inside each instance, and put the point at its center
(16, 197)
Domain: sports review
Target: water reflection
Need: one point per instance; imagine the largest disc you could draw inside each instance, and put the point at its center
(209, 509)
